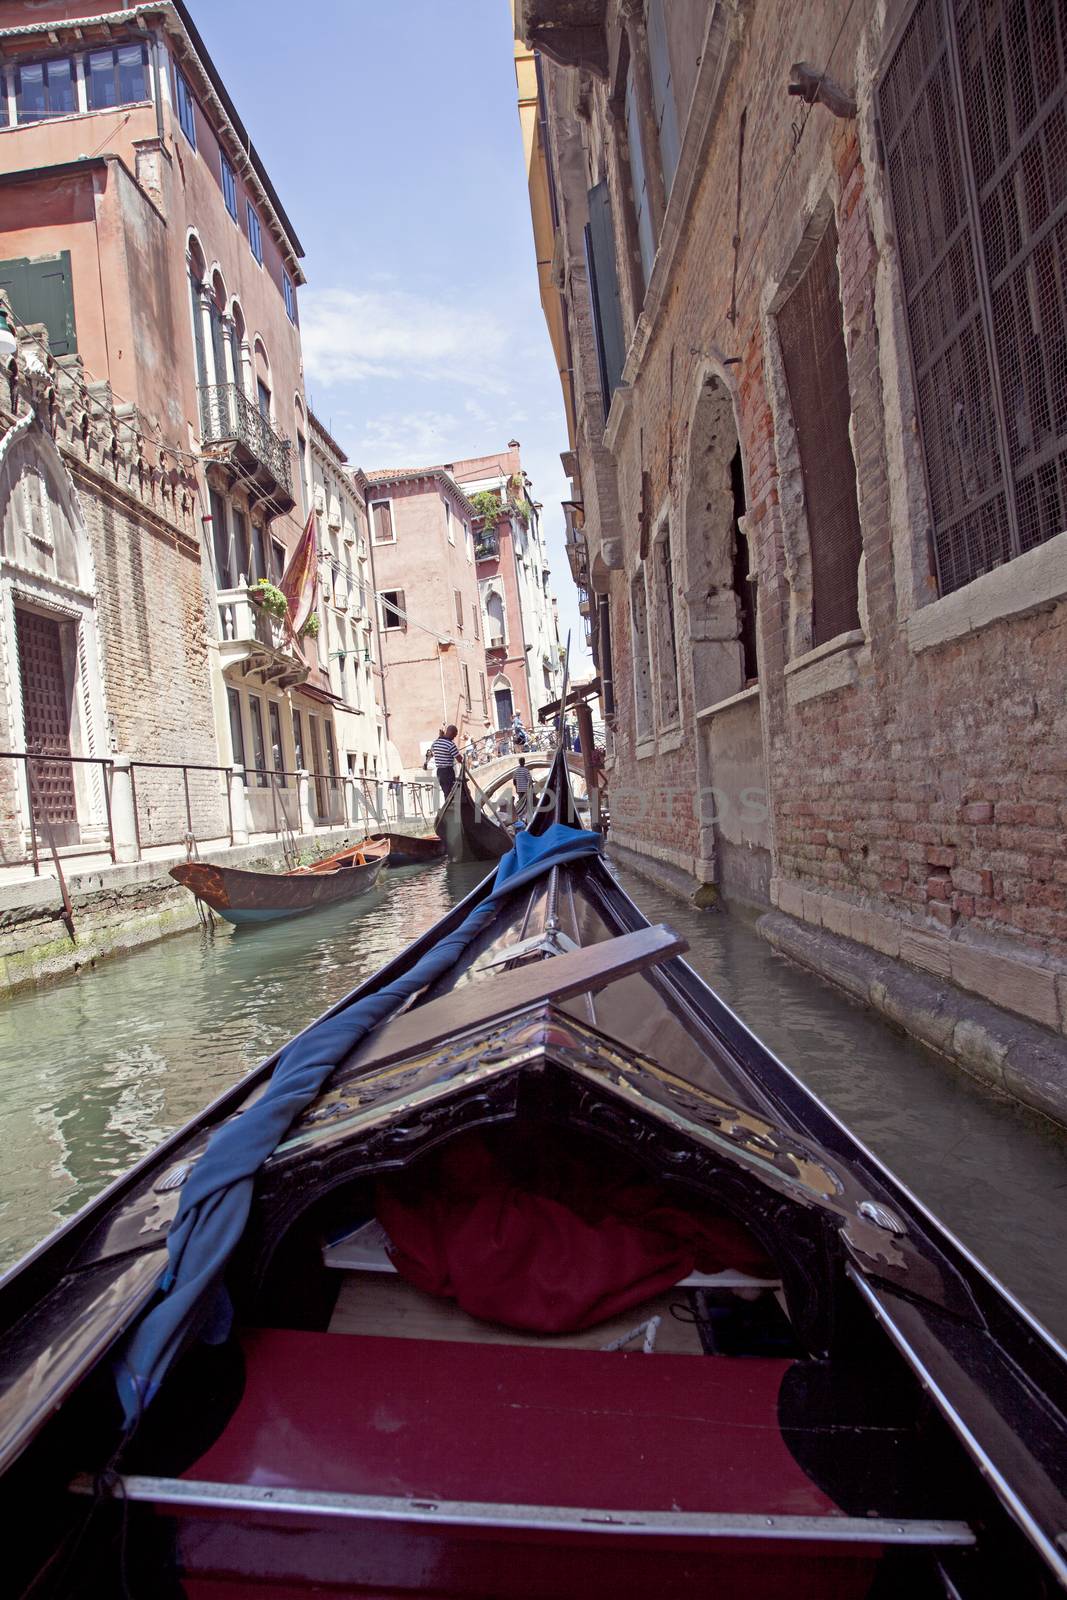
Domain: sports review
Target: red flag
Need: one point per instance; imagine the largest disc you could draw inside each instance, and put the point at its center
(300, 580)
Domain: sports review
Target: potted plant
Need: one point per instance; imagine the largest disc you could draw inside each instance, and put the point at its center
(310, 630)
(270, 597)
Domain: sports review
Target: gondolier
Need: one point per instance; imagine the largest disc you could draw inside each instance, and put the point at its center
(444, 753)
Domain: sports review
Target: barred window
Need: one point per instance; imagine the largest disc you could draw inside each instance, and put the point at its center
(666, 639)
(973, 110)
(642, 658)
(816, 369)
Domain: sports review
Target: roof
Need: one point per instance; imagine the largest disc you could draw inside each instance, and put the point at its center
(176, 9)
(327, 437)
(384, 475)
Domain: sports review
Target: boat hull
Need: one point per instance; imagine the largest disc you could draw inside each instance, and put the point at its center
(411, 850)
(246, 898)
(467, 834)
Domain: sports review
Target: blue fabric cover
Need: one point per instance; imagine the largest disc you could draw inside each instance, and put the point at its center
(217, 1195)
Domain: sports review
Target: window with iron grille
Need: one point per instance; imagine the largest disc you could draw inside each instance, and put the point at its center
(973, 112)
(813, 352)
(642, 658)
(666, 640)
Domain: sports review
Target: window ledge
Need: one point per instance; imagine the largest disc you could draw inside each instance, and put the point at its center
(646, 748)
(739, 699)
(830, 666)
(670, 739)
(1035, 579)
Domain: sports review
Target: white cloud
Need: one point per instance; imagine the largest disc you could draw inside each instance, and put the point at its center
(352, 334)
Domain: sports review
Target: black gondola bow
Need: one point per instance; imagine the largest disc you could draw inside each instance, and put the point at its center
(217, 1195)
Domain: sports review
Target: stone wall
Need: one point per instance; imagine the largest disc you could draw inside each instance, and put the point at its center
(913, 769)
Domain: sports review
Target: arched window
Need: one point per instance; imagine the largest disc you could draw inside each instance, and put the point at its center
(494, 610)
(264, 396)
(239, 346)
(197, 268)
(503, 701)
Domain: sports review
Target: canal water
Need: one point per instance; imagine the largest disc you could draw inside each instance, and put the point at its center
(96, 1068)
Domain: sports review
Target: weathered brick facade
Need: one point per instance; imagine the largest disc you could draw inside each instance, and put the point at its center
(902, 783)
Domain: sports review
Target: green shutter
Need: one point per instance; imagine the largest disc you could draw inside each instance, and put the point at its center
(604, 289)
(42, 291)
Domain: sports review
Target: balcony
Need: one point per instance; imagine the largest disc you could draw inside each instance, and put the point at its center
(236, 434)
(487, 547)
(257, 643)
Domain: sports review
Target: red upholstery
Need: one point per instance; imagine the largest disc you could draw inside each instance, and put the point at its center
(548, 1236)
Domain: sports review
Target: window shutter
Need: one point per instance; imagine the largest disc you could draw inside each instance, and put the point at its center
(383, 523)
(811, 330)
(42, 291)
(659, 62)
(459, 609)
(604, 291)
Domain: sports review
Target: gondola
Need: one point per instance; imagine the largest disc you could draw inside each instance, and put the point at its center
(552, 1281)
(410, 850)
(467, 828)
(244, 897)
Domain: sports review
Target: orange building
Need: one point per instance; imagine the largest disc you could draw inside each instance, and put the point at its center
(150, 265)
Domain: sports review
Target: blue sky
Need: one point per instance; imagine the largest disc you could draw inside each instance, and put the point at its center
(391, 131)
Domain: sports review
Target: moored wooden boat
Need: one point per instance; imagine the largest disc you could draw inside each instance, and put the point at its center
(244, 897)
(411, 850)
(467, 829)
(565, 1138)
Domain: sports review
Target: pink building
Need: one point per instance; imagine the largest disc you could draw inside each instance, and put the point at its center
(422, 552)
(522, 658)
(162, 275)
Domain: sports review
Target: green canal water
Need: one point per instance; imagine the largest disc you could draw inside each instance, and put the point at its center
(96, 1068)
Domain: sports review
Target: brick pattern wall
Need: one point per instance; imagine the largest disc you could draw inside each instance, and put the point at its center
(928, 791)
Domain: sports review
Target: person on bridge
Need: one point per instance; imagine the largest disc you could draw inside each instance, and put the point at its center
(444, 753)
(522, 781)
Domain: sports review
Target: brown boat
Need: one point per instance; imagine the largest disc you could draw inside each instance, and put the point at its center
(243, 897)
(409, 850)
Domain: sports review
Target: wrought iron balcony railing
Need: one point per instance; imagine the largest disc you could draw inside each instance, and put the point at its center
(228, 416)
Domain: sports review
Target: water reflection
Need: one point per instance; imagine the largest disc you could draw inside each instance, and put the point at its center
(96, 1068)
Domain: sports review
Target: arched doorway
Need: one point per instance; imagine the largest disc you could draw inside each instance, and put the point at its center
(720, 596)
(503, 701)
(54, 691)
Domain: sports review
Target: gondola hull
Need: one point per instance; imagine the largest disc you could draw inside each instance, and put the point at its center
(898, 1424)
(247, 898)
(467, 832)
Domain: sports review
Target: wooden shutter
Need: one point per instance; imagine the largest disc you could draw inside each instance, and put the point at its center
(813, 349)
(459, 609)
(659, 63)
(42, 291)
(604, 292)
(383, 522)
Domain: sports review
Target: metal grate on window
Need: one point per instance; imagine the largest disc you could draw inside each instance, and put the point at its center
(813, 350)
(973, 116)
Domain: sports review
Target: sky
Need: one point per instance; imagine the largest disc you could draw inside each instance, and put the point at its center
(390, 129)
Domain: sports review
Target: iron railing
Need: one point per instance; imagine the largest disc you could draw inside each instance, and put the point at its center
(228, 416)
(39, 820)
(141, 798)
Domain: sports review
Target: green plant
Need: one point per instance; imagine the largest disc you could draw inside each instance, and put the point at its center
(310, 630)
(270, 597)
(523, 507)
(487, 506)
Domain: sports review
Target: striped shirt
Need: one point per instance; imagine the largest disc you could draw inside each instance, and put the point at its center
(444, 752)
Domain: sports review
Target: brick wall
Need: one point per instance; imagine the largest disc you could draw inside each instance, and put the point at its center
(913, 783)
